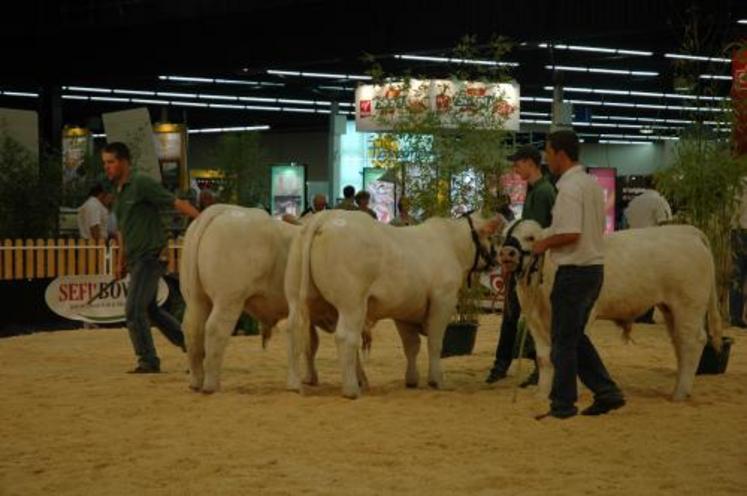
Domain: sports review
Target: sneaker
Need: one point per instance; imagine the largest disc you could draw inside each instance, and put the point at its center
(144, 370)
(495, 376)
(600, 407)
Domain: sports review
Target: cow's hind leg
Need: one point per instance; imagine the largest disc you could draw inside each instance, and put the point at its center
(348, 338)
(218, 330)
(690, 340)
(195, 315)
(312, 377)
(411, 343)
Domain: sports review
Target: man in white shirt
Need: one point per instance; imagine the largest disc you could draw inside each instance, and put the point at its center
(575, 243)
(93, 215)
(648, 209)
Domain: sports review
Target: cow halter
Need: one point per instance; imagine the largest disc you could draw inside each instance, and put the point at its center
(488, 256)
(536, 261)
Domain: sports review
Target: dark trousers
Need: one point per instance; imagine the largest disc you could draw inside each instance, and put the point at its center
(736, 291)
(141, 306)
(504, 352)
(574, 293)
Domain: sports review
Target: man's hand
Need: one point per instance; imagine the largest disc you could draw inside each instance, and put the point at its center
(186, 208)
(539, 247)
(554, 241)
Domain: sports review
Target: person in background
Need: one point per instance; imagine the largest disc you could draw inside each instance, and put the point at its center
(93, 215)
(403, 217)
(538, 205)
(648, 209)
(318, 204)
(205, 199)
(737, 305)
(575, 243)
(362, 199)
(348, 201)
(142, 238)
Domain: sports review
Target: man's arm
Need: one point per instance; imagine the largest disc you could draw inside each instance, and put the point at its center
(186, 208)
(120, 269)
(555, 241)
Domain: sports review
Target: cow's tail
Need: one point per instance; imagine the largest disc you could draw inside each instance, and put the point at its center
(300, 320)
(189, 280)
(714, 325)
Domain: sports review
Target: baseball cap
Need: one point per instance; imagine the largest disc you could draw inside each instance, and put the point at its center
(524, 152)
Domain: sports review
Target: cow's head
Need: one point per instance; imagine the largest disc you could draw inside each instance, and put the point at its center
(516, 251)
(486, 235)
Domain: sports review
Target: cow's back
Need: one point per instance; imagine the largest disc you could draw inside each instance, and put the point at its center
(654, 265)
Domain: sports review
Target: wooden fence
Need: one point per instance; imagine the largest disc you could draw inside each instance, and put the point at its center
(45, 258)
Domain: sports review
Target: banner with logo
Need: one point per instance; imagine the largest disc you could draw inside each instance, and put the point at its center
(486, 105)
(67, 296)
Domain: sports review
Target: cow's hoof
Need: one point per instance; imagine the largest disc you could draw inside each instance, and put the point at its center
(208, 391)
(411, 385)
(195, 389)
(434, 385)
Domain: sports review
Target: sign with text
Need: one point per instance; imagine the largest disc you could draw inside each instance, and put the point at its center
(67, 296)
(485, 105)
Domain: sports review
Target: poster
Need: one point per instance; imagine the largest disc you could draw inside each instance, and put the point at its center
(287, 189)
(23, 127)
(516, 188)
(381, 107)
(382, 193)
(606, 178)
(76, 144)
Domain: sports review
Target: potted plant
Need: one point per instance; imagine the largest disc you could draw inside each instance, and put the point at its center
(449, 157)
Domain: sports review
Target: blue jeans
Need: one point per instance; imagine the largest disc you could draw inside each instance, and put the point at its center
(141, 305)
(574, 293)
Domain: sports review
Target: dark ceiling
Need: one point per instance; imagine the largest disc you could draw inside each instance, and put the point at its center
(128, 44)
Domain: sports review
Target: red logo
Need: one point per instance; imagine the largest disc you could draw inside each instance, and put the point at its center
(365, 108)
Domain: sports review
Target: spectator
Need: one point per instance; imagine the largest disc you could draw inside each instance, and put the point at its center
(362, 199)
(348, 202)
(93, 215)
(403, 217)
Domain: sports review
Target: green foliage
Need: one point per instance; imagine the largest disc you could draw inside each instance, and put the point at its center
(29, 191)
(705, 184)
(247, 178)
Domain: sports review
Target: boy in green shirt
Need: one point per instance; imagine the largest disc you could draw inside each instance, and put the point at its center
(537, 207)
(141, 238)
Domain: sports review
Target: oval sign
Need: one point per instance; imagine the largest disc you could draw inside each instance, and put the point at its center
(67, 296)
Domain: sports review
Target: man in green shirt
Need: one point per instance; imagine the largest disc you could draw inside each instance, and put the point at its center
(142, 237)
(537, 207)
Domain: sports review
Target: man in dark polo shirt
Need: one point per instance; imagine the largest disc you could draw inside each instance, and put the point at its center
(537, 207)
(142, 237)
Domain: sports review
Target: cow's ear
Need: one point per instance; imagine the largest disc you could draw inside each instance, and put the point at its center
(494, 225)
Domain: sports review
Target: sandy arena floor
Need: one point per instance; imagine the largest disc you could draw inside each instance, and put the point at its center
(72, 422)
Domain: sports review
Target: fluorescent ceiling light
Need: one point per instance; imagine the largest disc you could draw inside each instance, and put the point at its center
(623, 142)
(298, 102)
(696, 57)
(210, 130)
(572, 89)
(74, 97)
(150, 102)
(301, 110)
(19, 93)
(323, 75)
(581, 48)
(227, 106)
(134, 92)
(715, 76)
(259, 107)
(452, 60)
(742, 21)
(336, 88)
(257, 99)
(189, 104)
(109, 99)
(599, 70)
(87, 88)
(176, 95)
(536, 114)
(187, 79)
(203, 96)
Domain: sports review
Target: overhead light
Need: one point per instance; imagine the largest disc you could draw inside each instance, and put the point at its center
(696, 57)
(536, 114)
(109, 99)
(451, 60)
(623, 142)
(19, 93)
(176, 95)
(646, 130)
(715, 76)
(150, 102)
(189, 104)
(535, 99)
(599, 70)
(535, 121)
(336, 88)
(300, 110)
(742, 21)
(87, 89)
(203, 96)
(232, 129)
(580, 48)
(74, 97)
(323, 75)
(257, 99)
(187, 79)
(298, 102)
(227, 106)
(260, 107)
(633, 136)
(134, 92)
(572, 89)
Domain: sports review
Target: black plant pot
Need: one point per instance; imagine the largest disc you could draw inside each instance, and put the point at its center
(459, 339)
(715, 362)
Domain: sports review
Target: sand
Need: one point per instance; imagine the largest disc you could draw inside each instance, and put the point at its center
(72, 422)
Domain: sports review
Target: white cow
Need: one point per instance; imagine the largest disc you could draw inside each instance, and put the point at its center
(370, 271)
(670, 267)
(234, 261)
